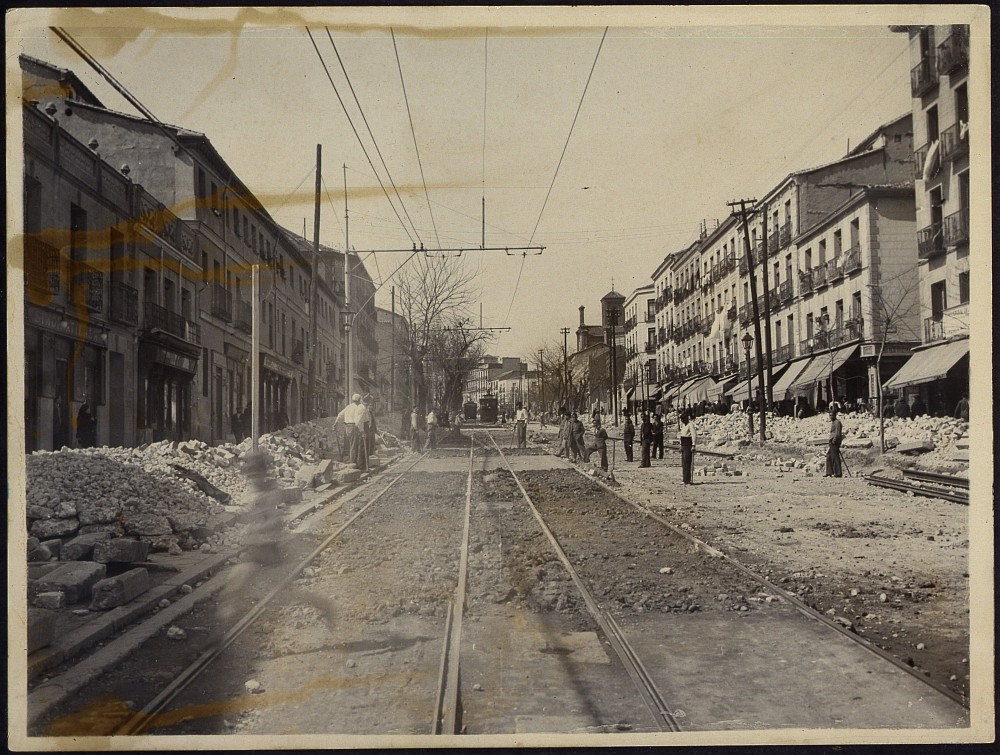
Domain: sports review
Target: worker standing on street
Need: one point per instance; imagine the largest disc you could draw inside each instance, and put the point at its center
(645, 439)
(628, 437)
(601, 439)
(355, 418)
(688, 438)
(431, 431)
(833, 449)
(521, 426)
(657, 429)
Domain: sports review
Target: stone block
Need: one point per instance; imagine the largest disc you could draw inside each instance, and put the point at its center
(144, 523)
(75, 578)
(37, 571)
(325, 470)
(44, 529)
(306, 474)
(348, 476)
(54, 546)
(857, 443)
(81, 548)
(918, 447)
(41, 628)
(374, 462)
(960, 455)
(117, 591)
(121, 550)
(50, 600)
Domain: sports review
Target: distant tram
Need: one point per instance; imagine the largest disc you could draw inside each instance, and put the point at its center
(469, 409)
(488, 408)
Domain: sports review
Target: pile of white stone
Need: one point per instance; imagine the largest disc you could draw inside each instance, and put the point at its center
(939, 437)
(97, 492)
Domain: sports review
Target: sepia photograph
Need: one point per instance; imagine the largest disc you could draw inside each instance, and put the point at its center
(499, 376)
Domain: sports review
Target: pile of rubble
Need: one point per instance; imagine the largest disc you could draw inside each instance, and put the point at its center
(941, 438)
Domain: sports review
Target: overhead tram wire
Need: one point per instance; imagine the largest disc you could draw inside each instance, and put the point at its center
(486, 68)
(556, 174)
(374, 140)
(413, 133)
(334, 208)
(358, 136)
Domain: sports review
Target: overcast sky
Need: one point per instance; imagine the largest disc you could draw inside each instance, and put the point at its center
(677, 119)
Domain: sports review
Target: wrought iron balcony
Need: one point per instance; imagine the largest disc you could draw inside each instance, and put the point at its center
(731, 312)
(934, 329)
(930, 241)
(834, 269)
(42, 268)
(124, 303)
(784, 353)
(92, 282)
(155, 317)
(222, 302)
(805, 282)
(650, 348)
(953, 52)
(244, 315)
(954, 142)
(955, 228)
(852, 260)
(746, 314)
(707, 323)
(819, 276)
(784, 292)
(298, 352)
(919, 158)
(923, 76)
(772, 243)
(855, 327)
(785, 234)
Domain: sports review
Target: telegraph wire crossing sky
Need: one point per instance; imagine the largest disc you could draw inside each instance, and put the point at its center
(675, 122)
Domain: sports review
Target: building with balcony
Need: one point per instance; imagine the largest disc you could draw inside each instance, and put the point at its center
(640, 385)
(939, 60)
(177, 278)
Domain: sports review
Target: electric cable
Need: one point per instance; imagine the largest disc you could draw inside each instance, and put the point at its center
(372, 135)
(413, 133)
(357, 135)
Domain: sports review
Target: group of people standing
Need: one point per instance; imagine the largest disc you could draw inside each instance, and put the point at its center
(650, 434)
(572, 443)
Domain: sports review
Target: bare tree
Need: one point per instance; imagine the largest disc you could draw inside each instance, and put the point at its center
(454, 351)
(435, 293)
(895, 317)
(560, 381)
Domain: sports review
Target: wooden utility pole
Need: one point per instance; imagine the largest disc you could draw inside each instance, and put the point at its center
(255, 354)
(314, 293)
(767, 312)
(347, 301)
(392, 362)
(565, 333)
(756, 309)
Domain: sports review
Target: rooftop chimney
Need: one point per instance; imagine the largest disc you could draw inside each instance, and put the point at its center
(581, 315)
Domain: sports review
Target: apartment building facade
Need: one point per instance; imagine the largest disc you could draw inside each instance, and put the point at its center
(178, 235)
(639, 386)
(939, 59)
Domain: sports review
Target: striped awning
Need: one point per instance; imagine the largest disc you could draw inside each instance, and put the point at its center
(928, 365)
(697, 390)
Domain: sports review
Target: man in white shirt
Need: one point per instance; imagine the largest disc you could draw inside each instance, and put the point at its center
(521, 426)
(431, 431)
(414, 430)
(356, 420)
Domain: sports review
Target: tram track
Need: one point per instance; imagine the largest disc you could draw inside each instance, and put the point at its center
(496, 552)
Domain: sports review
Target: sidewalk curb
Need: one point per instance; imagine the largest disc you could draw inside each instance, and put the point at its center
(50, 694)
(107, 623)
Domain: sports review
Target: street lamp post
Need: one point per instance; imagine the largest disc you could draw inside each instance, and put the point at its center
(747, 343)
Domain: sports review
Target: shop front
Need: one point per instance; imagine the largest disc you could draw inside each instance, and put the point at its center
(166, 373)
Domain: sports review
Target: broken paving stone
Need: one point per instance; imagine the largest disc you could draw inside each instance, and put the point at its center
(119, 590)
(253, 687)
(164, 603)
(121, 550)
(351, 663)
(186, 589)
(920, 646)
(50, 600)
(666, 570)
(882, 598)
(41, 628)
(176, 633)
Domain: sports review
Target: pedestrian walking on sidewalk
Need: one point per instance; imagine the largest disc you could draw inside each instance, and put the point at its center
(628, 437)
(657, 451)
(688, 437)
(833, 449)
(601, 439)
(645, 439)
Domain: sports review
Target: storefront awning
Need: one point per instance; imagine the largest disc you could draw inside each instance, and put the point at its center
(783, 386)
(629, 394)
(821, 367)
(720, 388)
(697, 391)
(928, 365)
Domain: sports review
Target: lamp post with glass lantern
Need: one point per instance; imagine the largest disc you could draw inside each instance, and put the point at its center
(747, 343)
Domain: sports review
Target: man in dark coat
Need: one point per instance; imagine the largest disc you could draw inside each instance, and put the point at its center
(901, 409)
(645, 439)
(86, 427)
(657, 430)
(628, 437)
(833, 449)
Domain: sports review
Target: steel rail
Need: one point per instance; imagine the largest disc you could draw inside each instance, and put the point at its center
(452, 703)
(651, 696)
(937, 477)
(955, 495)
(146, 717)
(792, 599)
